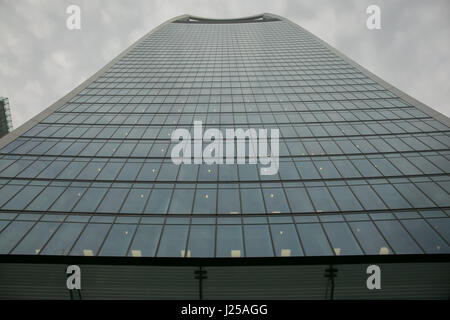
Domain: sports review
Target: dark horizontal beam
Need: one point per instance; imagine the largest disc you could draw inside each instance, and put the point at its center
(259, 261)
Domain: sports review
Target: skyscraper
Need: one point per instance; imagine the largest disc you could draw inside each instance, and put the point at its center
(363, 176)
(5, 117)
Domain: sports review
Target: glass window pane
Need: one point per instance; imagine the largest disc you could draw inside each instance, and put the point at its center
(4, 163)
(107, 150)
(442, 226)
(33, 170)
(330, 147)
(145, 241)
(275, 201)
(322, 199)
(228, 173)
(404, 166)
(423, 164)
(21, 199)
(12, 234)
(391, 196)
(113, 200)
(345, 199)
(439, 161)
(16, 168)
(68, 199)
(368, 198)
(182, 201)
(110, 171)
(125, 149)
(369, 238)
(413, 195)
(201, 241)
(427, 238)
(90, 240)
(347, 147)
(207, 172)
(188, 172)
(135, 201)
(313, 148)
(307, 170)
(90, 200)
(142, 149)
(288, 171)
(205, 201)
(3, 224)
(248, 172)
(314, 241)
(285, 240)
(116, 244)
(63, 240)
(435, 193)
(53, 169)
(366, 168)
(252, 201)
(36, 238)
(75, 148)
(229, 241)
(91, 170)
(327, 169)
(159, 201)
(149, 171)
(257, 241)
(129, 171)
(44, 200)
(173, 241)
(397, 237)
(364, 146)
(168, 172)
(229, 202)
(72, 170)
(346, 168)
(385, 167)
(299, 200)
(341, 239)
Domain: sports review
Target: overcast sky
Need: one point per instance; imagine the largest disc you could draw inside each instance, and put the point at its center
(41, 60)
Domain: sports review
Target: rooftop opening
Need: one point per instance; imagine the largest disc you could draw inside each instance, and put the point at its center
(257, 18)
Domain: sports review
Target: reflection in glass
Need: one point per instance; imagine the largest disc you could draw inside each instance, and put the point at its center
(341, 239)
(229, 241)
(90, 240)
(12, 234)
(116, 244)
(257, 241)
(145, 241)
(63, 240)
(370, 239)
(285, 240)
(36, 238)
(314, 241)
(201, 241)
(173, 241)
(397, 237)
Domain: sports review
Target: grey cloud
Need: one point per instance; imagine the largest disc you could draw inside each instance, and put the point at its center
(40, 60)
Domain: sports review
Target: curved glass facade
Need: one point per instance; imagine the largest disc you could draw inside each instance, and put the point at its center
(362, 171)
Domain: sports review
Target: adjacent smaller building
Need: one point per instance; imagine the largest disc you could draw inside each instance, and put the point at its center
(5, 117)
